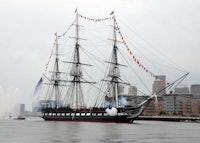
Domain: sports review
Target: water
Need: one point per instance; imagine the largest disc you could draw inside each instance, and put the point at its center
(39, 131)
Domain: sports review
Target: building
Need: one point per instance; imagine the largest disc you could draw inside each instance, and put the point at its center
(169, 104)
(195, 89)
(154, 108)
(159, 85)
(185, 105)
(192, 107)
(132, 90)
(181, 90)
(19, 109)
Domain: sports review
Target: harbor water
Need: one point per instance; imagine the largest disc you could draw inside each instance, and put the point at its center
(38, 131)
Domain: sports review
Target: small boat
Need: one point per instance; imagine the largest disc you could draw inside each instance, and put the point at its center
(19, 117)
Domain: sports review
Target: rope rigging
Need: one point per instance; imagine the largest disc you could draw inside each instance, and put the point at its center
(99, 60)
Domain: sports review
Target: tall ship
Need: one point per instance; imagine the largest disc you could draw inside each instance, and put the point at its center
(64, 94)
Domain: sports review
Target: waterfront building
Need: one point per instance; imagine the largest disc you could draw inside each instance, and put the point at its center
(186, 105)
(192, 107)
(169, 103)
(154, 108)
(195, 89)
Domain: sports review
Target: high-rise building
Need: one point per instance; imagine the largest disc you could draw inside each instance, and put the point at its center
(159, 85)
(132, 90)
(19, 109)
(195, 89)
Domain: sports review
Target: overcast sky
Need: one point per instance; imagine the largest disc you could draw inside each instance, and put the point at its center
(27, 30)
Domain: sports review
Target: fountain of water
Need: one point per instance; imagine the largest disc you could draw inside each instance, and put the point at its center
(8, 98)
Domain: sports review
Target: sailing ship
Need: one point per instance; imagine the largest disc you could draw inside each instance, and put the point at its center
(64, 100)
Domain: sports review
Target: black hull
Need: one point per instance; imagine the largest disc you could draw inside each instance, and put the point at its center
(114, 119)
(124, 115)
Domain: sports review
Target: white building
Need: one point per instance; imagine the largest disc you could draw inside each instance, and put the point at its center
(19, 109)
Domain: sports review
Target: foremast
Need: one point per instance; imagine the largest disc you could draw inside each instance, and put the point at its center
(55, 78)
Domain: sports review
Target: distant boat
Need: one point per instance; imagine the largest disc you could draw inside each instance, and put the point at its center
(19, 117)
(63, 99)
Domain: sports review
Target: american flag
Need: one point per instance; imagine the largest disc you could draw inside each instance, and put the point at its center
(38, 86)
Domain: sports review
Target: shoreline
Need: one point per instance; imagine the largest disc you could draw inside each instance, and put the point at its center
(170, 118)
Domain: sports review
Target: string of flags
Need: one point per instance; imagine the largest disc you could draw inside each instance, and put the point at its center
(94, 19)
(54, 44)
(131, 52)
(67, 30)
(119, 32)
(122, 38)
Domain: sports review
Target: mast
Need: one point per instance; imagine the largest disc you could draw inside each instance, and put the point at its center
(77, 66)
(74, 94)
(76, 73)
(114, 72)
(115, 61)
(57, 77)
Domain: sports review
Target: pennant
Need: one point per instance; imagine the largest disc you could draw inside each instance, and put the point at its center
(95, 20)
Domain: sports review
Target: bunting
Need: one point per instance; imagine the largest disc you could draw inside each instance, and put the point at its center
(131, 52)
(120, 34)
(94, 19)
(54, 44)
(67, 30)
(46, 66)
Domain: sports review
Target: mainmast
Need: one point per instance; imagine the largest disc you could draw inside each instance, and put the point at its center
(75, 89)
(114, 72)
(76, 70)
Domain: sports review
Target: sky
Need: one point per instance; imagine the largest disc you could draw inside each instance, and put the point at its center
(27, 27)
